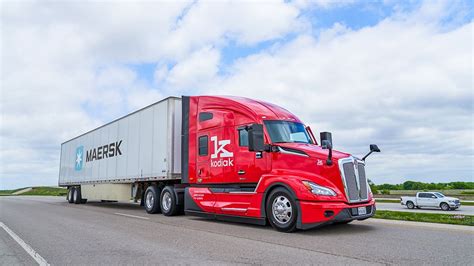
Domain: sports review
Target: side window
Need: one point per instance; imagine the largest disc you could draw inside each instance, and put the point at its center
(243, 138)
(204, 116)
(203, 145)
(422, 195)
(429, 195)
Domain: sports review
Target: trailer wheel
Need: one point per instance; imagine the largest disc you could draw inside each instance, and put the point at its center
(69, 195)
(281, 210)
(76, 196)
(168, 201)
(152, 199)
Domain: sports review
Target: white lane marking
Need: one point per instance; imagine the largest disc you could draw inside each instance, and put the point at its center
(37, 257)
(133, 216)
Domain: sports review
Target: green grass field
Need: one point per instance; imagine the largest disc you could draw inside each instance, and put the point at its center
(426, 217)
(37, 191)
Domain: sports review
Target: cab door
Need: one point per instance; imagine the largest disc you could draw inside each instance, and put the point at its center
(206, 170)
(249, 166)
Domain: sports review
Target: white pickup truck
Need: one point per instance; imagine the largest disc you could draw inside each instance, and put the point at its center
(431, 199)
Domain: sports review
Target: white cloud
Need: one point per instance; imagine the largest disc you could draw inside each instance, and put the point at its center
(199, 67)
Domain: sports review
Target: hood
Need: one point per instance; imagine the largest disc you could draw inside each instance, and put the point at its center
(450, 198)
(314, 151)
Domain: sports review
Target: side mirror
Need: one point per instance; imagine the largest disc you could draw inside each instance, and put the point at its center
(326, 138)
(256, 142)
(373, 148)
(327, 145)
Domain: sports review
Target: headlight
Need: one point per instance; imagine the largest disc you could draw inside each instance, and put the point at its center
(318, 190)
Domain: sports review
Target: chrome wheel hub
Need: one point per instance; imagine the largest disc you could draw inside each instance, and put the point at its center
(166, 201)
(149, 200)
(281, 209)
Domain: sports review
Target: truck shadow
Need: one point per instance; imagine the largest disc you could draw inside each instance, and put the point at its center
(330, 229)
(115, 205)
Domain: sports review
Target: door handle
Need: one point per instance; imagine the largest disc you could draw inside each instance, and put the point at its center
(241, 172)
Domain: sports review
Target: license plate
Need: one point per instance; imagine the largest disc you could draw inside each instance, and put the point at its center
(362, 210)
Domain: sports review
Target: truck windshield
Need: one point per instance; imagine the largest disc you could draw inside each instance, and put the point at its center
(439, 195)
(285, 131)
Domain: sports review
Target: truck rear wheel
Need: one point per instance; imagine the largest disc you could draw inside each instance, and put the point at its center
(168, 201)
(410, 205)
(76, 196)
(69, 195)
(152, 199)
(281, 210)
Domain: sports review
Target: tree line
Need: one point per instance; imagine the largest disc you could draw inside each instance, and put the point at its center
(412, 185)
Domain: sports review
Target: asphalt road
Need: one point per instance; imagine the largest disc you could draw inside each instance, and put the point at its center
(112, 233)
(464, 210)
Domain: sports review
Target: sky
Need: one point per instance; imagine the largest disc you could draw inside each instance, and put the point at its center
(395, 73)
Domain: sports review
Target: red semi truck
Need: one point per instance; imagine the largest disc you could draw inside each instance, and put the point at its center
(220, 157)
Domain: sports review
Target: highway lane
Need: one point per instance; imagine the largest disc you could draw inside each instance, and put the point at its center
(113, 233)
(463, 210)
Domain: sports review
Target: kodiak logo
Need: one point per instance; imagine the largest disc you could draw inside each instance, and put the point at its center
(105, 151)
(220, 151)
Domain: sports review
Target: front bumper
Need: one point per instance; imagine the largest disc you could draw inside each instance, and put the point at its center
(454, 205)
(315, 214)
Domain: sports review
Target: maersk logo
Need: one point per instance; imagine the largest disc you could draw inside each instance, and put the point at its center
(220, 152)
(104, 151)
(79, 158)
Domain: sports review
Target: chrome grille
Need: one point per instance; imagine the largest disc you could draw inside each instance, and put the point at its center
(354, 179)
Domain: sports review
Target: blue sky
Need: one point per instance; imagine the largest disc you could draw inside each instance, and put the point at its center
(396, 73)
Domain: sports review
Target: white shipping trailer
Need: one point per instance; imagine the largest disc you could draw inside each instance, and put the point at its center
(142, 146)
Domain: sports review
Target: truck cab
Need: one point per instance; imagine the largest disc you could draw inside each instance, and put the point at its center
(249, 160)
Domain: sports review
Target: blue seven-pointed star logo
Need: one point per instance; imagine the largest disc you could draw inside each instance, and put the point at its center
(79, 158)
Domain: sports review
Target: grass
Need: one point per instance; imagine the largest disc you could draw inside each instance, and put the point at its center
(426, 217)
(465, 203)
(38, 191)
(9, 192)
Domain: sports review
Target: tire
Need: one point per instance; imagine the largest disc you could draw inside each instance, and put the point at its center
(69, 194)
(410, 205)
(444, 206)
(152, 199)
(76, 196)
(168, 201)
(281, 210)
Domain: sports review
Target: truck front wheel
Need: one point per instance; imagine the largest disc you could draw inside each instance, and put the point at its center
(410, 205)
(168, 201)
(152, 199)
(281, 210)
